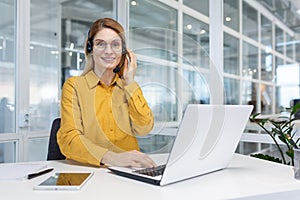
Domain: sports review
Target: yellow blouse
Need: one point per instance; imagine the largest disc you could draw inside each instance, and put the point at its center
(96, 118)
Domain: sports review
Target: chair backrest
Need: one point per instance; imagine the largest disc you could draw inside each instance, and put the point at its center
(54, 152)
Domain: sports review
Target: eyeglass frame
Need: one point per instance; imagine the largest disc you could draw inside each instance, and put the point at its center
(110, 44)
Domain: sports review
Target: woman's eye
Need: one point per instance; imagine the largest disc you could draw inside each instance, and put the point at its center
(102, 44)
(116, 44)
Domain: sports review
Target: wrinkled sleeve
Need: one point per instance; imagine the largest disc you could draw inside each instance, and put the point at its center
(70, 137)
(141, 116)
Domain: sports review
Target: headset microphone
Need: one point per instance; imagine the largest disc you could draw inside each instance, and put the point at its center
(117, 69)
(124, 52)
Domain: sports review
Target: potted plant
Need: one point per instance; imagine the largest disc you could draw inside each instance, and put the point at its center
(281, 128)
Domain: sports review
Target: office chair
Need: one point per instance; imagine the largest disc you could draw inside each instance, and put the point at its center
(54, 152)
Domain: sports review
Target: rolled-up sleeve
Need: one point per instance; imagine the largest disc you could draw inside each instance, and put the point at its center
(141, 116)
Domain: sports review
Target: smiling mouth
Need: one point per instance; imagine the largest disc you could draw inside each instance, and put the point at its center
(108, 59)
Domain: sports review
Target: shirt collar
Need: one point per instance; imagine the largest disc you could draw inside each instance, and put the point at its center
(93, 80)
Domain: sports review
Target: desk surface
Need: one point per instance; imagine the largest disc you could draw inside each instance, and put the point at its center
(245, 178)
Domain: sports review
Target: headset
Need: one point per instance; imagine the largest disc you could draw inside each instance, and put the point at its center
(89, 49)
(89, 45)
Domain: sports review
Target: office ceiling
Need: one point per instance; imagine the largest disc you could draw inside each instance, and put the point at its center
(286, 11)
(90, 10)
(296, 3)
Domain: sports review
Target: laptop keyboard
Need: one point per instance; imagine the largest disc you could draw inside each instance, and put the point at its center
(152, 171)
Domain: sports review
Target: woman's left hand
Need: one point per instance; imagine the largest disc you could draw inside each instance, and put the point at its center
(130, 67)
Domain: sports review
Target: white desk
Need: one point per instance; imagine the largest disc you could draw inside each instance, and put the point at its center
(245, 178)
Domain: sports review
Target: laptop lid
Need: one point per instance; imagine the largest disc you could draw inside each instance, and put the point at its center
(206, 140)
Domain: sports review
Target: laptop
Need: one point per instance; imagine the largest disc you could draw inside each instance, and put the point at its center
(206, 140)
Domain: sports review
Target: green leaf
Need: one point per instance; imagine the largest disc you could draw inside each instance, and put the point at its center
(295, 108)
(281, 128)
(254, 115)
(266, 157)
(290, 153)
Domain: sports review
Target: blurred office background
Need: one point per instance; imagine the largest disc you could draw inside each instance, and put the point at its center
(221, 52)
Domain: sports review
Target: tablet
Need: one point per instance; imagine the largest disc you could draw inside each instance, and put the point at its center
(65, 181)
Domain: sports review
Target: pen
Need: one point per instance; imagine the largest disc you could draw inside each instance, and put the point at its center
(33, 175)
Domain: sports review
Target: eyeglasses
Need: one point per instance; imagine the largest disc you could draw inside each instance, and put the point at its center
(115, 45)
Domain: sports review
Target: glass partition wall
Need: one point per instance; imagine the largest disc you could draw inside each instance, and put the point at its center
(47, 48)
(9, 139)
(172, 42)
(267, 48)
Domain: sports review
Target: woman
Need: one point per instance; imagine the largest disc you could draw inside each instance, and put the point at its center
(104, 109)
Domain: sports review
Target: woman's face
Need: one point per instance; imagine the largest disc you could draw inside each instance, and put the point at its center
(107, 49)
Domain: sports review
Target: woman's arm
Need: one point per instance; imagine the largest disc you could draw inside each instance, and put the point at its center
(141, 116)
(71, 139)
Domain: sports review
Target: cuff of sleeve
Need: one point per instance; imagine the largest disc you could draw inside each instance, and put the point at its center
(101, 163)
(100, 157)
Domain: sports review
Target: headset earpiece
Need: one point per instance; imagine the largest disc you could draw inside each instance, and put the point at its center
(124, 49)
(89, 46)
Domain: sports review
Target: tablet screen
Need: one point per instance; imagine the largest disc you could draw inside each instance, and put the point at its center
(65, 181)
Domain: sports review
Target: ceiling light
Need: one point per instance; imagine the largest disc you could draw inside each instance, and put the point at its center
(53, 52)
(227, 19)
(133, 3)
(202, 31)
(189, 26)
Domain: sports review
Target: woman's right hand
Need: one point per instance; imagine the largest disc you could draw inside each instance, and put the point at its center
(130, 67)
(132, 158)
